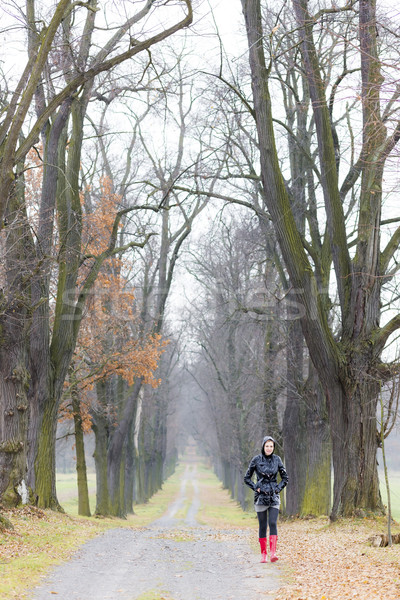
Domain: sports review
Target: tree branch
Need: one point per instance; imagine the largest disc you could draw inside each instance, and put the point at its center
(236, 91)
(390, 143)
(389, 251)
(262, 213)
(326, 150)
(78, 81)
(381, 336)
(329, 11)
(351, 178)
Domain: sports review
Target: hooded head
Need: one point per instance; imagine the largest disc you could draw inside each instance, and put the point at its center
(267, 438)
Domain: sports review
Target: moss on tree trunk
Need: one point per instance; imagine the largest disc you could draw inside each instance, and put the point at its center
(83, 492)
(5, 523)
(45, 464)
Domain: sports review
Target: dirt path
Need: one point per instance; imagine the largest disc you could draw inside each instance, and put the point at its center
(173, 559)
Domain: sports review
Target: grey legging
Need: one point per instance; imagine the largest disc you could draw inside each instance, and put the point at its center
(268, 517)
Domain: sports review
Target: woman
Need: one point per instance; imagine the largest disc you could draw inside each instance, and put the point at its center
(267, 465)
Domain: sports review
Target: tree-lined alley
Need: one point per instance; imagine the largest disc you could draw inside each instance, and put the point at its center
(138, 154)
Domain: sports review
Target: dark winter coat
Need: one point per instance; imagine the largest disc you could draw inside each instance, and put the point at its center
(266, 469)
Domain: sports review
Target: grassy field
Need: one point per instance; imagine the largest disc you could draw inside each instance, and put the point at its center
(394, 484)
(215, 513)
(67, 492)
(68, 496)
(211, 510)
(144, 513)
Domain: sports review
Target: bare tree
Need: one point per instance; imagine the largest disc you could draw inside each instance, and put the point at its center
(349, 364)
(60, 76)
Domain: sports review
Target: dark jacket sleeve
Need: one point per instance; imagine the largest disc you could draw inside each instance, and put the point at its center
(247, 478)
(284, 477)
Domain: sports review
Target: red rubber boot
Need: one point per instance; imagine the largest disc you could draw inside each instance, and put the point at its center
(263, 546)
(272, 546)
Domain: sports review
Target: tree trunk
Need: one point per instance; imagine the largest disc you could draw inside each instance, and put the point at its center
(83, 492)
(354, 444)
(116, 449)
(100, 428)
(316, 499)
(39, 351)
(306, 435)
(129, 474)
(146, 479)
(122, 484)
(45, 463)
(66, 321)
(14, 375)
(294, 420)
(140, 497)
(346, 370)
(14, 381)
(270, 388)
(140, 453)
(114, 472)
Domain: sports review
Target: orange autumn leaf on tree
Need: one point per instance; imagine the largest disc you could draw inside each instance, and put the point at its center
(98, 222)
(110, 344)
(111, 341)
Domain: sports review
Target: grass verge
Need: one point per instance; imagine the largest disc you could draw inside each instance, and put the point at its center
(41, 539)
(217, 507)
